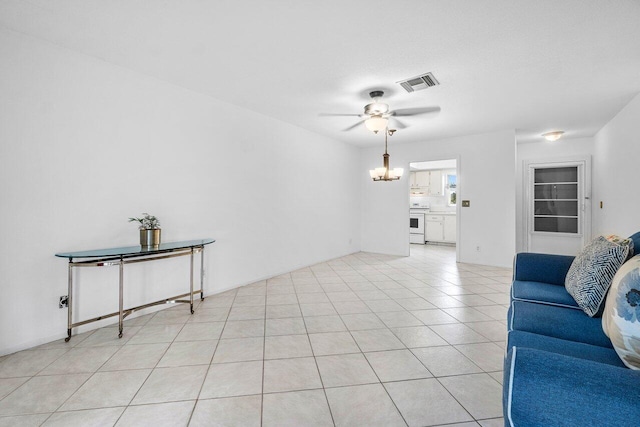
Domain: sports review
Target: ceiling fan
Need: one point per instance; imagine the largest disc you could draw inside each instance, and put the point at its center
(377, 114)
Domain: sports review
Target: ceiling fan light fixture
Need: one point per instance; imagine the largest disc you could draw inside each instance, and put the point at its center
(376, 123)
(553, 136)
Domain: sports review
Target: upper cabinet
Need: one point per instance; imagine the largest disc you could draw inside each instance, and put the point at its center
(435, 183)
(422, 179)
(426, 183)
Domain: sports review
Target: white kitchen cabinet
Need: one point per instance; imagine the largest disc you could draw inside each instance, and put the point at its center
(435, 183)
(434, 228)
(419, 182)
(423, 179)
(440, 228)
(413, 181)
(450, 228)
(428, 183)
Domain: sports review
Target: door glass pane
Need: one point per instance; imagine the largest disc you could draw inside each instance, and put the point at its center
(551, 207)
(567, 174)
(413, 222)
(555, 200)
(556, 224)
(556, 191)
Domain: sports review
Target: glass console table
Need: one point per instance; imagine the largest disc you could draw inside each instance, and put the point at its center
(130, 255)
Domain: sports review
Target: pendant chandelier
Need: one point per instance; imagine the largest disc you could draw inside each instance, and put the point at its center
(385, 173)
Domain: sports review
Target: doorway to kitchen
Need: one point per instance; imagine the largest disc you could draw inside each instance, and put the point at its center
(433, 202)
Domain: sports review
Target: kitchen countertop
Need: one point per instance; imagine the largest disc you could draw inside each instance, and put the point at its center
(442, 212)
(428, 211)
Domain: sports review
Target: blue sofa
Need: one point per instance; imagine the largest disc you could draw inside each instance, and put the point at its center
(560, 368)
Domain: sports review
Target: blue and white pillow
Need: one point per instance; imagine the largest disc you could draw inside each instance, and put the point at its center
(592, 271)
(621, 318)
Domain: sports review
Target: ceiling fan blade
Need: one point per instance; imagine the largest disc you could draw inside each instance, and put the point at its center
(414, 111)
(338, 115)
(353, 126)
(398, 123)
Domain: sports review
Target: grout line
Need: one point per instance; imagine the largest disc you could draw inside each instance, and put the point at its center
(212, 356)
(315, 359)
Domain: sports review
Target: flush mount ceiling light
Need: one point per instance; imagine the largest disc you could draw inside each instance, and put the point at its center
(385, 173)
(553, 136)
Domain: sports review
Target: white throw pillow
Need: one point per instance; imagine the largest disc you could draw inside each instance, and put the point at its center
(621, 317)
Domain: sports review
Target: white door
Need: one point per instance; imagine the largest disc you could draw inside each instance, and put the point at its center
(558, 206)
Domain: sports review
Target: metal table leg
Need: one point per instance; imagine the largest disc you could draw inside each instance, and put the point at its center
(202, 274)
(69, 301)
(121, 299)
(191, 281)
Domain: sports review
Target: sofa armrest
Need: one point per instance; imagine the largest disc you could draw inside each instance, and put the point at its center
(545, 268)
(543, 389)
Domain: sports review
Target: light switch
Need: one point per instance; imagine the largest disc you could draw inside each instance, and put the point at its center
(466, 203)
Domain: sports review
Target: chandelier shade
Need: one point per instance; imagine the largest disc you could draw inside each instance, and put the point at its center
(385, 173)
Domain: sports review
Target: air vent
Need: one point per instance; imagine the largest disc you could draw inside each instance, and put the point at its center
(424, 81)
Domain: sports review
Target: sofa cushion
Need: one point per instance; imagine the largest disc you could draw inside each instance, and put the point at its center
(557, 322)
(592, 271)
(621, 318)
(545, 268)
(566, 347)
(545, 293)
(542, 388)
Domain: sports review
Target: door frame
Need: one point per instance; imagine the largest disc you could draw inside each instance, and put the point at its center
(584, 193)
(459, 175)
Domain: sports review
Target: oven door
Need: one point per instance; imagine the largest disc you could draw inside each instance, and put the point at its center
(416, 223)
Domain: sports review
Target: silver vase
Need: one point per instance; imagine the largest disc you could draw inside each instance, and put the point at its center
(150, 238)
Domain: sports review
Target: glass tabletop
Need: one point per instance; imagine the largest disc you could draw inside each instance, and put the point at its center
(136, 250)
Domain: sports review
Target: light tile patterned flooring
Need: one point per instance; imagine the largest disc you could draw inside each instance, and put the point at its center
(365, 339)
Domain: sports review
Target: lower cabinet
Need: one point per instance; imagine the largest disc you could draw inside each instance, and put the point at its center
(450, 228)
(434, 228)
(440, 228)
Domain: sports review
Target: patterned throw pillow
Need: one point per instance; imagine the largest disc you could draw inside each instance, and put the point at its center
(619, 240)
(592, 271)
(621, 318)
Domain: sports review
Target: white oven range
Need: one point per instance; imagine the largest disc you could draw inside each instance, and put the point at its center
(416, 227)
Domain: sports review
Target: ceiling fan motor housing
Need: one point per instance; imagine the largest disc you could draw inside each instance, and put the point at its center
(376, 109)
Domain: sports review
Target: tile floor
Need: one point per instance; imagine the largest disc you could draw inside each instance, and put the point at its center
(366, 339)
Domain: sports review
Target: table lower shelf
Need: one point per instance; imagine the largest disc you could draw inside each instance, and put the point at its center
(128, 311)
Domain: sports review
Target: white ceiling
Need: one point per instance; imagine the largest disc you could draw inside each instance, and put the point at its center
(532, 66)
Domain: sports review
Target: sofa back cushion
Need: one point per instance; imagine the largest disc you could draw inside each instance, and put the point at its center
(621, 317)
(592, 271)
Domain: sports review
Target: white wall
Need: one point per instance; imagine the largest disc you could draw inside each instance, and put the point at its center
(486, 177)
(615, 173)
(84, 145)
(542, 151)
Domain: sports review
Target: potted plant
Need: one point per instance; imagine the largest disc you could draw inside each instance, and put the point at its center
(149, 230)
